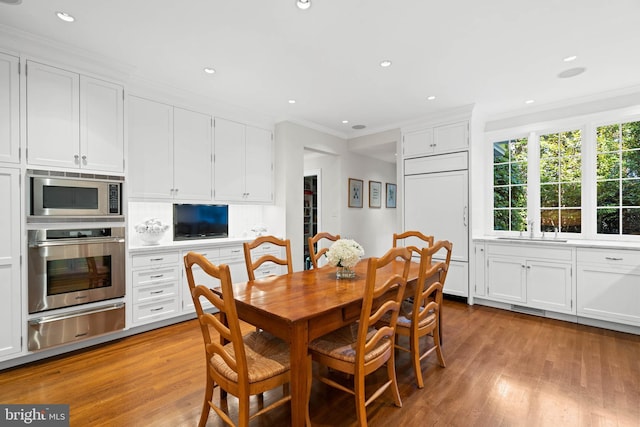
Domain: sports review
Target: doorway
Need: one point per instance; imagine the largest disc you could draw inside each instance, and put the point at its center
(311, 211)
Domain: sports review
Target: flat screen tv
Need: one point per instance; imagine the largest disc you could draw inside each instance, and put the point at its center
(200, 221)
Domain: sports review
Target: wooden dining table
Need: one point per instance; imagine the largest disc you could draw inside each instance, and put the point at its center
(305, 305)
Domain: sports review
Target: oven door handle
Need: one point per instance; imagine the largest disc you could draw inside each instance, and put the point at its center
(67, 242)
(53, 318)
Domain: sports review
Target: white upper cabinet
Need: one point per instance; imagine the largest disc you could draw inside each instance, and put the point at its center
(9, 109)
(436, 140)
(243, 162)
(169, 152)
(73, 121)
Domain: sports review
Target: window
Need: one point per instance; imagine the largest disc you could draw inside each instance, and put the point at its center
(510, 185)
(618, 179)
(560, 182)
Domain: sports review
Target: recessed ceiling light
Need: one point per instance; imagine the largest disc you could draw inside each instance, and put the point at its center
(431, 98)
(572, 72)
(529, 101)
(345, 121)
(65, 16)
(358, 127)
(14, 2)
(209, 70)
(385, 63)
(292, 101)
(570, 58)
(303, 4)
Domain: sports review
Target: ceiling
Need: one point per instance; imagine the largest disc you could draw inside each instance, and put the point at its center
(495, 54)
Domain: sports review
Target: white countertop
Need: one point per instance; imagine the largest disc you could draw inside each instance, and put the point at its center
(182, 244)
(578, 243)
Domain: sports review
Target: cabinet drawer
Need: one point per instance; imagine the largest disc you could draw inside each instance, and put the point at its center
(149, 260)
(609, 256)
(155, 277)
(155, 310)
(529, 251)
(231, 253)
(142, 294)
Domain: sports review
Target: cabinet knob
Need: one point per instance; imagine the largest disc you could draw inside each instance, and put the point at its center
(76, 157)
(84, 159)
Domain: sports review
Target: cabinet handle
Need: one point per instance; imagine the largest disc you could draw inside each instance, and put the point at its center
(157, 292)
(157, 276)
(464, 216)
(157, 309)
(612, 258)
(76, 158)
(523, 266)
(528, 266)
(235, 251)
(156, 259)
(84, 159)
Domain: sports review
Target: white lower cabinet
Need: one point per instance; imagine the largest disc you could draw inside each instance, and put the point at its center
(155, 286)
(457, 279)
(609, 285)
(538, 277)
(268, 268)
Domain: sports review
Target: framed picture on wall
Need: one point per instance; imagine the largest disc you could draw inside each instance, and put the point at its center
(375, 194)
(391, 195)
(355, 193)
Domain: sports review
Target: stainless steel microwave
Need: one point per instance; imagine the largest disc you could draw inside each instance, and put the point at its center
(75, 197)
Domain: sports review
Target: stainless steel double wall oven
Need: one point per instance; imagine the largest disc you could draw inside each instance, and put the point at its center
(76, 257)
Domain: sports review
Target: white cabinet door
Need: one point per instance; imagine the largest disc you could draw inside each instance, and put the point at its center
(229, 154)
(506, 279)
(192, 152)
(10, 301)
(101, 125)
(150, 149)
(258, 165)
(451, 137)
(53, 137)
(418, 143)
(549, 286)
(609, 292)
(9, 109)
(457, 282)
(436, 204)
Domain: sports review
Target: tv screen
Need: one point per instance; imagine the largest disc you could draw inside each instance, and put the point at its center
(200, 221)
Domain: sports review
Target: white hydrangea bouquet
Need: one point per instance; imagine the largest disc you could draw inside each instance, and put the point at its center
(151, 230)
(344, 254)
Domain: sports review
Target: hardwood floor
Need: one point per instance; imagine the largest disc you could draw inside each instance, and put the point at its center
(503, 369)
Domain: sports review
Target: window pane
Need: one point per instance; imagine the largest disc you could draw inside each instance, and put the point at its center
(519, 219)
(608, 221)
(608, 138)
(549, 146)
(630, 135)
(549, 219)
(549, 170)
(501, 219)
(631, 221)
(549, 195)
(570, 195)
(570, 169)
(608, 166)
(519, 173)
(630, 164)
(631, 192)
(570, 143)
(501, 197)
(500, 152)
(519, 197)
(501, 174)
(570, 220)
(608, 193)
(519, 150)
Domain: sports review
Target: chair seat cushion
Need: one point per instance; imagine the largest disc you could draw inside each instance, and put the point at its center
(404, 318)
(341, 344)
(267, 356)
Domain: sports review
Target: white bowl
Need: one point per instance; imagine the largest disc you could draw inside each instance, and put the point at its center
(151, 237)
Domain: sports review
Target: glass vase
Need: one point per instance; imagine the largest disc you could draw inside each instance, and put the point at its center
(345, 273)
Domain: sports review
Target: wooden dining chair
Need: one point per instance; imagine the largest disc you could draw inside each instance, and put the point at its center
(247, 365)
(250, 247)
(314, 251)
(418, 239)
(423, 316)
(359, 349)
